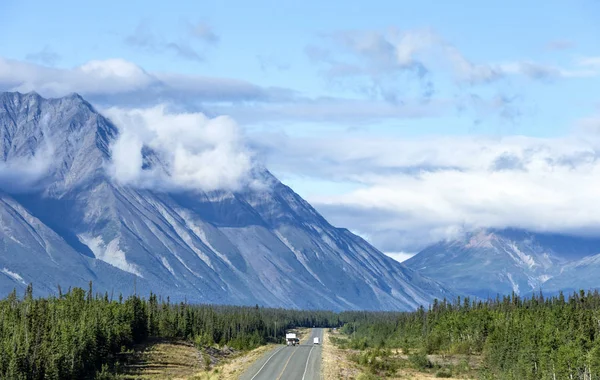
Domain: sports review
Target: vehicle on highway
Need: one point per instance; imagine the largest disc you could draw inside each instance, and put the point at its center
(316, 340)
(291, 339)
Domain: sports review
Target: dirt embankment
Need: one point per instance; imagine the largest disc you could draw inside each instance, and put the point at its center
(176, 359)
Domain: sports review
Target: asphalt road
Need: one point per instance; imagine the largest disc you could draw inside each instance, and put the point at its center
(301, 362)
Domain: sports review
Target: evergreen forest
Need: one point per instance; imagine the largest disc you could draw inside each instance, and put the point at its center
(79, 334)
(516, 338)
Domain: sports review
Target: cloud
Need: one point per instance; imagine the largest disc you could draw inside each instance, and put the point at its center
(393, 65)
(582, 68)
(143, 38)
(421, 53)
(590, 62)
(507, 161)
(159, 149)
(24, 174)
(45, 56)
(589, 126)
(120, 82)
(404, 194)
(560, 44)
(380, 65)
(204, 32)
(117, 82)
(376, 56)
(350, 112)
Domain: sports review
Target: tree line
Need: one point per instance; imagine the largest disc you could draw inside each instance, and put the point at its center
(517, 338)
(79, 334)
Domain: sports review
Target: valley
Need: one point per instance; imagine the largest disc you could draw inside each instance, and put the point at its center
(286, 190)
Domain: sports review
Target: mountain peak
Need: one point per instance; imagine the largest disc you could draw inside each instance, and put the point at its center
(262, 245)
(66, 131)
(490, 261)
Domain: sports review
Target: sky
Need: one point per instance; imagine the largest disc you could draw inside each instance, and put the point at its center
(406, 122)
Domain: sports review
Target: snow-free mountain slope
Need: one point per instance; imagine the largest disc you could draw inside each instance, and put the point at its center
(576, 275)
(489, 262)
(262, 245)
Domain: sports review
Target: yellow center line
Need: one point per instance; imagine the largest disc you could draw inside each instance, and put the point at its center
(286, 364)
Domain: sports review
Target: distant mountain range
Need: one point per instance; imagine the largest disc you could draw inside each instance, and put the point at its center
(485, 263)
(63, 221)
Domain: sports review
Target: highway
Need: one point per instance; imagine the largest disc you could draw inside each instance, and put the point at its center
(302, 362)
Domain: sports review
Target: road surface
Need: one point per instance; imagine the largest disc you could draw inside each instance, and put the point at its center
(302, 362)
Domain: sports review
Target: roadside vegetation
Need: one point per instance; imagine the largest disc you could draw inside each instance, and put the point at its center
(505, 338)
(82, 335)
(79, 335)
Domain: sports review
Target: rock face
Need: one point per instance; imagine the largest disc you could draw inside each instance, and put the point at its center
(576, 275)
(64, 221)
(490, 262)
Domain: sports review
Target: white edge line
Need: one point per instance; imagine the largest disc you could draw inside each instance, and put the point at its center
(307, 361)
(263, 366)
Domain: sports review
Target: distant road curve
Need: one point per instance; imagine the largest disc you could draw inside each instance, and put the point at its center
(302, 362)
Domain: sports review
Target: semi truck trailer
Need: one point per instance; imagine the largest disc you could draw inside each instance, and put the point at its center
(291, 339)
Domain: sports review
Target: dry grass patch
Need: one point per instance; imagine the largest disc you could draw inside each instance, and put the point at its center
(336, 363)
(180, 360)
(163, 359)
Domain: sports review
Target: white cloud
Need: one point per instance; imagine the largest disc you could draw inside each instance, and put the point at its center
(112, 76)
(589, 125)
(406, 193)
(188, 150)
(593, 62)
(332, 110)
(22, 174)
(388, 64)
(123, 83)
(108, 77)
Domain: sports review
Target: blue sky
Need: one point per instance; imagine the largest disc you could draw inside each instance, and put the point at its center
(277, 34)
(310, 74)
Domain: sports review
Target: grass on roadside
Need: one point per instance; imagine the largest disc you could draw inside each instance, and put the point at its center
(379, 363)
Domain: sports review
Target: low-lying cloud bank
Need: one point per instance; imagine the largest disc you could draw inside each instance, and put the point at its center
(23, 175)
(123, 83)
(406, 193)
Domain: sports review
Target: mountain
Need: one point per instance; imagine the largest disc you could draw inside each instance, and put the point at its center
(65, 221)
(485, 263)
(576, 275)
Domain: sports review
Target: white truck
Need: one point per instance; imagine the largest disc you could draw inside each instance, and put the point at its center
(291, 339)
(316, 340)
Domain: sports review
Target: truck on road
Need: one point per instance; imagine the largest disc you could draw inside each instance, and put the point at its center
(291, 339)
(316, 340)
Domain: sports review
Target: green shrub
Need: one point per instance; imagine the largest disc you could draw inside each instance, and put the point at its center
(444, 373)
(419, 360)
(367, 376)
